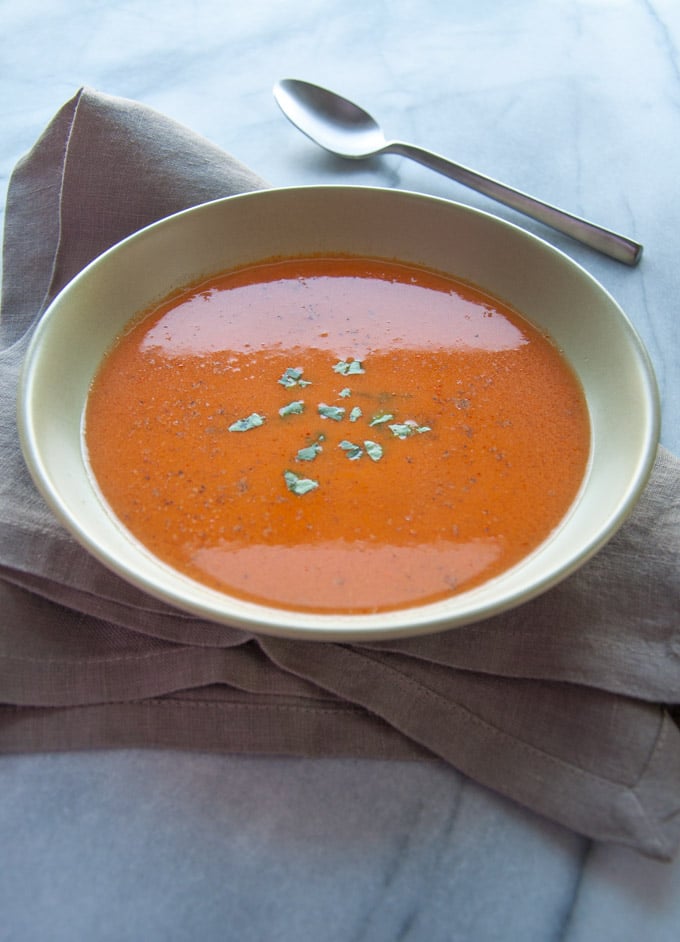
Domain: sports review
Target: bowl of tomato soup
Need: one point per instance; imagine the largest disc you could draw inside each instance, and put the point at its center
(338, 413)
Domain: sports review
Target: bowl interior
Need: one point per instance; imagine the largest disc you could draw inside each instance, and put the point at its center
(543, 284)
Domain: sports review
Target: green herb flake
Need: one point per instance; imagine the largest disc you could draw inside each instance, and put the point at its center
(373, 450)
(244, 425)
(336, 413)
(355, 414)
(299, 485)
(349, 367)
(380, 418)
(293, 408)
(408, 428)
(345, 393)
(353, 452)
(292, 376)
(310, 452)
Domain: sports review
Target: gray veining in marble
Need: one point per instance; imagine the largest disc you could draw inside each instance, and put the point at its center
(575, 101)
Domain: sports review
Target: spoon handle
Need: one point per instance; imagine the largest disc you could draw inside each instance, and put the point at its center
(603, 240)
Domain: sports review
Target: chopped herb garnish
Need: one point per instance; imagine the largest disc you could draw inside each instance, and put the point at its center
(292, 376)
(336, 413)
(244, 425)
(408, 428)
(293, 408)
(352, 451)
(299, 485)
(310, 452)
(349, 367)
(373, 450)
(381, 418)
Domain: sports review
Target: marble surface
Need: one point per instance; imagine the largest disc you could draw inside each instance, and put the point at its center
(574, 101)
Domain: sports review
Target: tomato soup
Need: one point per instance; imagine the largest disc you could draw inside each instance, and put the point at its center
(337, 435)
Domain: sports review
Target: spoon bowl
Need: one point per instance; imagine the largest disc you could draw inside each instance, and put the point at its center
(331, 121)
(346, 130)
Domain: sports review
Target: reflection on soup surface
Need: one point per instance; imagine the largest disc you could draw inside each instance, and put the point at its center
(337, 434)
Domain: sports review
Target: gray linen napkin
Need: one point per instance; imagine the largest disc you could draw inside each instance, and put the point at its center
(564, 704)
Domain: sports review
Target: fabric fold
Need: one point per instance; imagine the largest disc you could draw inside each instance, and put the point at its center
(535, 764)
(564, 704)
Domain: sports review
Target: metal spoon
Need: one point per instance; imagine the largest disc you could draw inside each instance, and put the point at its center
(345, 129)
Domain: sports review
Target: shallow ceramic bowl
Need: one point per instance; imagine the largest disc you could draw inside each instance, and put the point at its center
(542, 283)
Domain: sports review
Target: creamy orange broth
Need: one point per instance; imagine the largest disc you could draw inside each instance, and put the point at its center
(462, 443)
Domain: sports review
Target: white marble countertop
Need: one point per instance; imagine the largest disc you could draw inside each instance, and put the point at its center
(574, 101)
